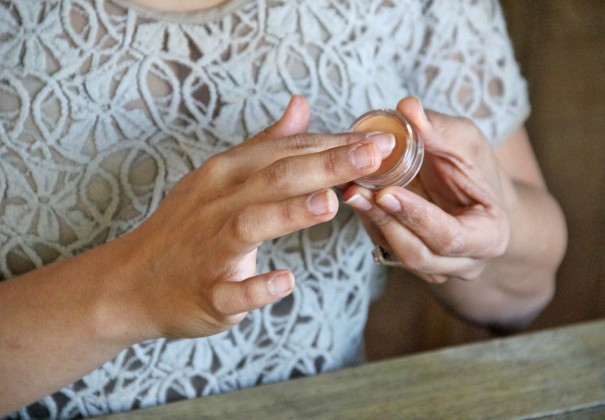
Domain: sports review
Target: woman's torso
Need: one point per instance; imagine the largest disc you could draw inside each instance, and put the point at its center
(103, 111)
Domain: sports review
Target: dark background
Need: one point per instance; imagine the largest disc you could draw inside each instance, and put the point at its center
(560, 45)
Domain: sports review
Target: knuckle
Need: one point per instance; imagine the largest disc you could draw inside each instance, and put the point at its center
(499, 248)
(500, 241)
(240, 228)
(418, 259)
(381, 220)
(288, 213)
(452, 242)
(218, 306)
(331, 163)
(303, 142)
(215, 166)
(417, 215)
(231, 321)
(278, 175)
(474, 273)
(352, 138)
(251, 296)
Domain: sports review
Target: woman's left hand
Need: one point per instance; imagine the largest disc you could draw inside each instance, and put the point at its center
(453, 219)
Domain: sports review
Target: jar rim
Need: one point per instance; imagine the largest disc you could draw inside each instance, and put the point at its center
(408, 164)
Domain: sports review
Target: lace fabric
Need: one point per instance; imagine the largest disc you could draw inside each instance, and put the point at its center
(104, 109)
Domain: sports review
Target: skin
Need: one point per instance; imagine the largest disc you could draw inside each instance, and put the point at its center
(190, 269)
(478, 224)
(467, 227)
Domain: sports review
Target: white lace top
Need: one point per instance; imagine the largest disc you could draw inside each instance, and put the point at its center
(105, 106)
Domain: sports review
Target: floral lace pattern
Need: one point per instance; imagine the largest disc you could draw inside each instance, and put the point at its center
(104, 110)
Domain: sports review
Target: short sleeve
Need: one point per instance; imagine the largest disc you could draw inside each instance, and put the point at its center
(467, 67)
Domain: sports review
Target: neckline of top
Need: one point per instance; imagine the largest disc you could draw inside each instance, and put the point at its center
(199, 16)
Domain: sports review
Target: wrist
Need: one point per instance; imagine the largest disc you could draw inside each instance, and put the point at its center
(121, 312)
(524, 275)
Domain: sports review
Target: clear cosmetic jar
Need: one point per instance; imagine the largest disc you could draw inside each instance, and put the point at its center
(403, 164)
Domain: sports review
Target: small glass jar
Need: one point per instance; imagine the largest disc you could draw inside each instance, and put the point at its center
(404, 162)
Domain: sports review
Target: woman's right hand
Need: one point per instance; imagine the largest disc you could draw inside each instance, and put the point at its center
(193, 262)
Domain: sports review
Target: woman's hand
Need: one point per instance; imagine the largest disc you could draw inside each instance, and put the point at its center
(190, 269)
(453, 219)
(194, 260)
(477, 223)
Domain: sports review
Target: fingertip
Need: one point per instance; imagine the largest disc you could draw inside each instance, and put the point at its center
(300, 102)
(237, 297)
(323, 202)
(384, 141)
(333, 200)
(281, 283)
(296, 118)
(359, 202)
(411, 107)
(400, 200)
(365, 156)
(389, 202)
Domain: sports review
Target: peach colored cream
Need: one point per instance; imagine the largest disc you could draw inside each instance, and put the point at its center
(387, 124)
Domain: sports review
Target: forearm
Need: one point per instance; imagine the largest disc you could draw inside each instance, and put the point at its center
(515, 287)
(60, 322)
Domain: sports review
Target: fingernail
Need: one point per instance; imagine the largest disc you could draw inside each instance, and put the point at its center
(280, 284)
(384, 141)
(389, 203)
(320, 203)
(362, 155)
(359, 202)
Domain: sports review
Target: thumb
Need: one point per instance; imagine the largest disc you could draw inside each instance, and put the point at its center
(412, 109)
(236, 297)
(295, 120)
(442, 134)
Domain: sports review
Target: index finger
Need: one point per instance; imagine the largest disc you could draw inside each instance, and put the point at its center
(467, 235)
(252, 156)
(301, 174)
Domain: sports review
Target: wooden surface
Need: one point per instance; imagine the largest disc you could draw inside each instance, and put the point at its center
(558, 372)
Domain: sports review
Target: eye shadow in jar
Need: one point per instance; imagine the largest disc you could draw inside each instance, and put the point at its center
(403, 164)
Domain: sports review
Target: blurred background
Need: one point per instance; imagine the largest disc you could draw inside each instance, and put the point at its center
(560, 45)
